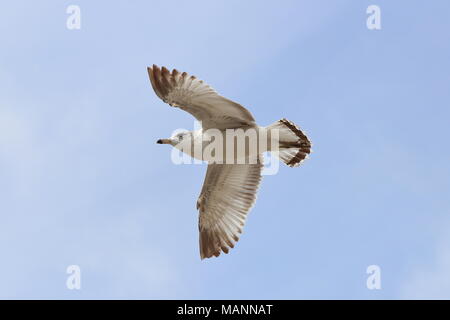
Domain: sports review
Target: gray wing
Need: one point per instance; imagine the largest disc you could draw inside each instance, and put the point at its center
(199, 99)
(228, 193)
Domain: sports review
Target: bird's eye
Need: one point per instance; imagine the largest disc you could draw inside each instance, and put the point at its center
(180, 137)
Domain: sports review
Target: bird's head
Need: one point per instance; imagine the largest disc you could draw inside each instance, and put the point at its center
(176, 139)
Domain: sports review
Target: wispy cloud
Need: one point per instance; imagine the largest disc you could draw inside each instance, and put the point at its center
(430, 278)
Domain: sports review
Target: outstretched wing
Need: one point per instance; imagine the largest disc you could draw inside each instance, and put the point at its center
(228, 193)
(199, 99)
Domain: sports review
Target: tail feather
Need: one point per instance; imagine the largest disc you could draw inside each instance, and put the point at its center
(294, 145)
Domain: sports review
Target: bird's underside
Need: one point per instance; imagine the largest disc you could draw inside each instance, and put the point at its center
(229, 190)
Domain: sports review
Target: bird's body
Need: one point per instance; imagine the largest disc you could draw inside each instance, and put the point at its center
(238, 145)
(232, 144)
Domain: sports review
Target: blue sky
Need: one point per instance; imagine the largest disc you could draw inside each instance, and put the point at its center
(82, 181)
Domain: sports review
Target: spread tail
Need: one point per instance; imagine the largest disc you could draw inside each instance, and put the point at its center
(294, 145)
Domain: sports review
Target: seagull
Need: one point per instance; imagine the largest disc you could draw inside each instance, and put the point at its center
(229, 189)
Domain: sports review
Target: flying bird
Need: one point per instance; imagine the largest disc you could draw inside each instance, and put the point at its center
(229, 190)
